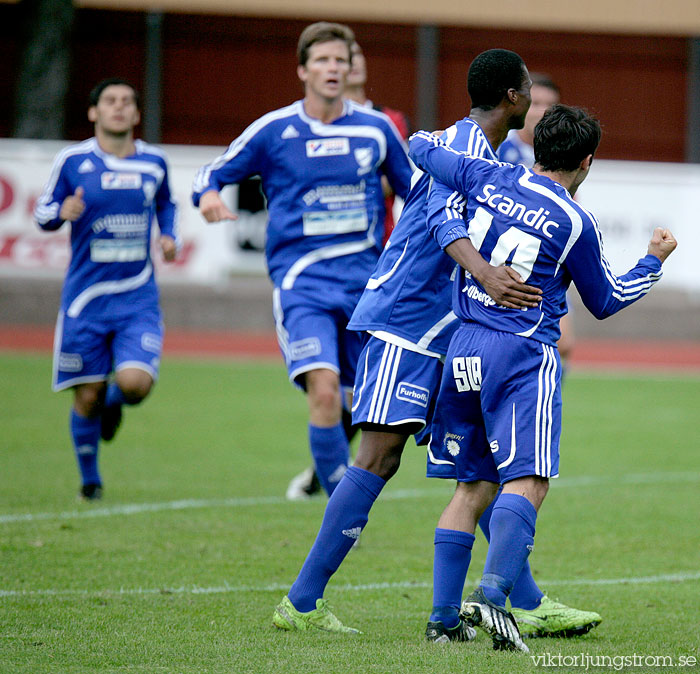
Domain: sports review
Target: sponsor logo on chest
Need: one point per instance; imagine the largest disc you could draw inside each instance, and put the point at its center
(327, 147)
(113, 180)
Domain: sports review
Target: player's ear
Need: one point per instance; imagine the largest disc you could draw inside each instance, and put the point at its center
(92, 113)
(301, 73)
(512, 96)
(586, 162)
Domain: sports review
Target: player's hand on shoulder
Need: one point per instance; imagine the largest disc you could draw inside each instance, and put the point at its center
(168, 247)
(662, 243)
(213, 208)
(506, 288)
(73, 206)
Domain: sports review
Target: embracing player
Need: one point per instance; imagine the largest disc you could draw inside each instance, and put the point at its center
(498, 413)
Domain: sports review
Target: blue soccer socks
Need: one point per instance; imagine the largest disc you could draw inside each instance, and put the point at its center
(453, 552)
(345, 517)
(85, 434)
(331, 454)
(114, 395)
(512, 537)
(525, 593)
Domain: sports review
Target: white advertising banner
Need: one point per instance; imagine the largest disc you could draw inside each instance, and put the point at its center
(209, 253)
(628, 198)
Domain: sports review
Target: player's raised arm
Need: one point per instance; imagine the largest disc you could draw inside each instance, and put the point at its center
(662, 244)
(430, 154)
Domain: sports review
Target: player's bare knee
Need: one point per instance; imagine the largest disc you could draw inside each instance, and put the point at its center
(88, 399)
(135, 384)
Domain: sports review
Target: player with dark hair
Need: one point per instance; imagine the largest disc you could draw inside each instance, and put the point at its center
(517, 147)
(498, 413)
(108, 188)
(405, 307)
(321, 161)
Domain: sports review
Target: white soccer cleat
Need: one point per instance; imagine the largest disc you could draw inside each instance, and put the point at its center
(494, 620)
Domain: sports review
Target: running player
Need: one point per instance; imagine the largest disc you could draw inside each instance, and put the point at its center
(498, 413)
(321, 161)
(108, 188)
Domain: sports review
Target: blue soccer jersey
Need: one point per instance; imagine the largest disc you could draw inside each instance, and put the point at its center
(407, 298)
(530, 222)
(110, 271)
(513, 150)
(323, 188)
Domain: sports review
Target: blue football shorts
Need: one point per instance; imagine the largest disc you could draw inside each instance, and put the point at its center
(312, 333)
(88, 350)
(395, 387)
(498, 411)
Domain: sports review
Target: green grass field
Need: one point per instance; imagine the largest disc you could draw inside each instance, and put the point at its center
(180, 566)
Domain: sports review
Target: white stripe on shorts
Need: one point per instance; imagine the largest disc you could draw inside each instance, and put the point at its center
(381, 396)
(546, 387)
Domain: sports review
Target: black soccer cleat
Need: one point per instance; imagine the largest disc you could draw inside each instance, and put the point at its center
(439, 634)
(110, 422)
(90, 492)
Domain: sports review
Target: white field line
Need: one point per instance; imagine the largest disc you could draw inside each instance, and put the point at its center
(392, 495)
(279, 587)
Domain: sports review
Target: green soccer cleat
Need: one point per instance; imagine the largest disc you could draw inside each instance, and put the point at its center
(286, 617)
(552, 619)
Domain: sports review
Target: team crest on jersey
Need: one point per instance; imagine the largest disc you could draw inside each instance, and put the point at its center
(113, 180)
(411, 393)
(363, 156)
(327, 147)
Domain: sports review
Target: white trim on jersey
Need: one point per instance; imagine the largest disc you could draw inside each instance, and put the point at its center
(108, 288)
(355, 131)
(374, 283)
(352, 105)
(546, 388)
(574, 217)
(327, 253)
(44, 213)
(403, 343)
(436, 329)
(201, 180)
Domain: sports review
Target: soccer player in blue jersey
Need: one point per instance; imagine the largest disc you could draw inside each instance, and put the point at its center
(108, 188)
(321, 161)
(498, 413)
(406, 309)
(517, 149)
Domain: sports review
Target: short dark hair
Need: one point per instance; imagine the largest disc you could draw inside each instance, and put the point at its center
(109, 82)
(542, 80)
(490, 76)
(323, 31)
(564, 137)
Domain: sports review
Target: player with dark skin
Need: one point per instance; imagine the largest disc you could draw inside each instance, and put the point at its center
(380, 450)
